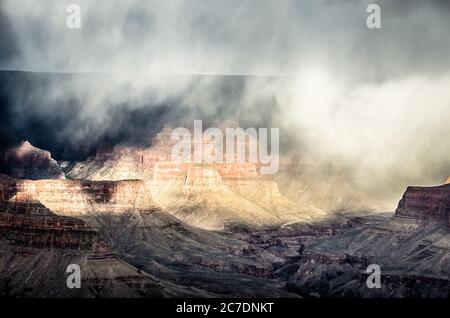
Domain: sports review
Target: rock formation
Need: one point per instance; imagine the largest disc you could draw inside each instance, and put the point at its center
(28, 162)
(37, 226)
(78, 197)
(37, 244)
(207, 195)
(31, 224)
(427, 203)
(412, 248)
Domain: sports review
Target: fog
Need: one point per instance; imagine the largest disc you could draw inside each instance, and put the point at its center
(374, 100)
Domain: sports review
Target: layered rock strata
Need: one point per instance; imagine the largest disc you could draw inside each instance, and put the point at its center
(77, 197)
(427, 203)
(208, 195)
(412, 249)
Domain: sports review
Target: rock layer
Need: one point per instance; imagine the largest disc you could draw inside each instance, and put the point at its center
(428, 203)
(77, 197)
(412, 249)
(208, 195)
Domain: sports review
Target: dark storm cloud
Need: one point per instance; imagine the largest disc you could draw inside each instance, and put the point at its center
(57, 128)
(235, 37)
(60, 123)
(377, 100)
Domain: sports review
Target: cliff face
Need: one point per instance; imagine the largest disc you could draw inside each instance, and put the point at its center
(37, 246)
(124, 163)
(49, 232)
(429, 203)
(207, 195)
(412, 248)
(37, 243)
(28, 162)
(77, 197)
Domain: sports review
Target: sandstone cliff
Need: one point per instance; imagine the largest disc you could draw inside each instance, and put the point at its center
(77, 197)
(210, 196)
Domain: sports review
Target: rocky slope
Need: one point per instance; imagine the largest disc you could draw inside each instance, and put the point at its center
(204, 198)
(145, 252)
(74, 198)
(134, 253)
(412, 248)
(37, 246)
(141, 225)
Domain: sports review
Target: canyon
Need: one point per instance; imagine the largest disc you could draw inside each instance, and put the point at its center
(210, 196)
(412, 248)
(141, 225)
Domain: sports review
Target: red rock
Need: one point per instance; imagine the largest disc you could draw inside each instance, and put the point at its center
(122, 162)
(430, 203)
(32, 224)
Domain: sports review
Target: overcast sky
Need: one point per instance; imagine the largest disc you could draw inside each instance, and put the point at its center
(228, 37)
(377, 99)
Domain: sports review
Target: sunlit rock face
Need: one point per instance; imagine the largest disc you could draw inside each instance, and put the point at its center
(207, 195)
(28, 162)
(447, 181)
(77, 197)
(27, 223)
(125, 163)
(36, 240)
(201, 198)
(37, 245)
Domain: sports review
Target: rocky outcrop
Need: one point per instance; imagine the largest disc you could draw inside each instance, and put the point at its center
(28, 162)
(412, 248)
(77, 197)
(49, 232)
(428, 203)
(126, 162)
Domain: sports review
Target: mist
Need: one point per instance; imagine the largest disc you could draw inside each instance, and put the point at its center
(374, 101)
